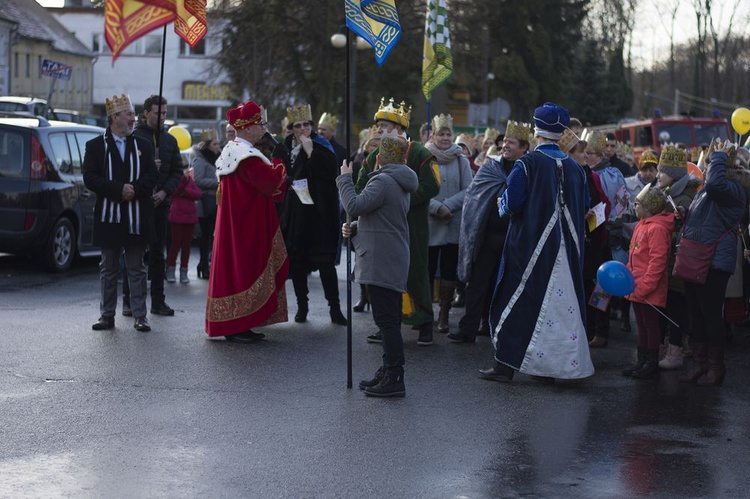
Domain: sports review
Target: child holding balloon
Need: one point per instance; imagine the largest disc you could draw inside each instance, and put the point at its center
(649, 255)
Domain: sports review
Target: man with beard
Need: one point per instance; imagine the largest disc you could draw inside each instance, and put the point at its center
(483, 232)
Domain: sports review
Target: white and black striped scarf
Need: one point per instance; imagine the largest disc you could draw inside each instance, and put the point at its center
(112, 210)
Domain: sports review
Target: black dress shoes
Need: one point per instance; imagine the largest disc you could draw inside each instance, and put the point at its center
(104, 323)
(499, 372)
(461, 337)
(161, 309)
(246, 337)
(141, 324)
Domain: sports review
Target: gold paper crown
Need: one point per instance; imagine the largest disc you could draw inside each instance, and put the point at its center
(492, 150)
(673, 157)
(118, 104)
(595, 140)
(399, 115)
(208, 135)
(568, 140)
(393, 146)
(491, 133)
(442, 121)
(623, 149)
(328, 119)
(299, 114)
(516, 130)
(652, 199)
(647, 156)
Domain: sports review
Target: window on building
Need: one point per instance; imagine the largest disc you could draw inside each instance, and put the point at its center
(198, 50)
(15, 65)
(152, 45)
(28, 65)
(99, 44)
(39, 68)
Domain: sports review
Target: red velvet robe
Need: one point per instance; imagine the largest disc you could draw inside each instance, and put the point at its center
(249, 264)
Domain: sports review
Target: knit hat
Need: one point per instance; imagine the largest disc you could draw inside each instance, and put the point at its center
(673, 162)
(550, 121)
(653, 199)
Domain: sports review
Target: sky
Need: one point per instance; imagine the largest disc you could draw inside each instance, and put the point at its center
(652, 25)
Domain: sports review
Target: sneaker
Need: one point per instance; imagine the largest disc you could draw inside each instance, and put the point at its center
(425, 336)
(375, 338)
(369, 383)
(388, 387)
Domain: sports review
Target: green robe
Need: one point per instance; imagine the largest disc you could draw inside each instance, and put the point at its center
(418, 283)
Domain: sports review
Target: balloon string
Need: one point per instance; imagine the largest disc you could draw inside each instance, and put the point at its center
(663, 314)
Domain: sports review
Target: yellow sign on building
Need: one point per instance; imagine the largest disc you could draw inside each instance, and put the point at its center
(199, 91)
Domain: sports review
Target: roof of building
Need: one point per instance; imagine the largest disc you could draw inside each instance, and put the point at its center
(36, 23)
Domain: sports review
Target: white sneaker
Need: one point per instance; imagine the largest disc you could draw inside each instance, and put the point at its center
(673, 359)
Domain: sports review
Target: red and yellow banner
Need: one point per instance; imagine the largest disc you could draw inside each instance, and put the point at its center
(127, 20)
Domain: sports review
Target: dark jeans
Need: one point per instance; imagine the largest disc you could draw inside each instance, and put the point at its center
(480, 287)
(156, 259)
(386, 311)
(328, 278)
(705, 304)
(647, 319)
(448, 257)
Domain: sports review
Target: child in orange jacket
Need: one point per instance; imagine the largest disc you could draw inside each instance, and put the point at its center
(649, 254)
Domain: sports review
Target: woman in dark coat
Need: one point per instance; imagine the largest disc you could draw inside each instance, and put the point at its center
(714, 218)
(204, 176)
(310, 215)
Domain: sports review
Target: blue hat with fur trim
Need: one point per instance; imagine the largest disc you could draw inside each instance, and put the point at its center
(550, 121)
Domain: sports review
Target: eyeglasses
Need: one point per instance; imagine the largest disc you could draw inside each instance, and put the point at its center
(300, 125)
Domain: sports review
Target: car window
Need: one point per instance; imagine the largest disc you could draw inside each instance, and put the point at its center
(11, 153)
(82, 138)
(676, 133)
(704, 134)
(643, 136)
(61, 152)
(75, 154)
(12, 106)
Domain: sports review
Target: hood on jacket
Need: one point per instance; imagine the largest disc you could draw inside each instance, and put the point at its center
(402, 174)
(665, 219)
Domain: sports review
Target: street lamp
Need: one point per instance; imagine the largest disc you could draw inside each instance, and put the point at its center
(338, 41)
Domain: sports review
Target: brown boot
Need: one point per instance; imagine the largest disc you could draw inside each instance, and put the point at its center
(446, 298)
(715, 373)
(700, 364)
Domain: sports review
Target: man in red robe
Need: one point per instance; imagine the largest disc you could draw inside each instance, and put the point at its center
(249, 268)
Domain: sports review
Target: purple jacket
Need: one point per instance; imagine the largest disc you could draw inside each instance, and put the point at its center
(183, 210)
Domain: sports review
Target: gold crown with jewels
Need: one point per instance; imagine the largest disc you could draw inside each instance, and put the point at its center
(648, 156)
(442, 121)
(393, 146)
(299, 114)
(328, 119)
(673, 157)
(388, 112)
(517, 130)
(118, 104)
(568, 140)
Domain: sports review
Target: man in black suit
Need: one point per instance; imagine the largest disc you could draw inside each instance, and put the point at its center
(120, 169)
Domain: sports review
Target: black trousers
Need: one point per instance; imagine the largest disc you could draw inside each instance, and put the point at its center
(156, 257)
(705, 304)
(386, 312)
(480, 287)
(207, 225)
(328, 278)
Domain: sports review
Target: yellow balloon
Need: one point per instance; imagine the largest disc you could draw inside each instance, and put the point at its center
(741, 120)
(183, 137)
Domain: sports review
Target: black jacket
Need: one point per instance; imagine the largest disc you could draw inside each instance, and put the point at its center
(108, 189)
(170, 172)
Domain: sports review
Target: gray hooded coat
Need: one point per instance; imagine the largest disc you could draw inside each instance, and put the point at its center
(382, 238)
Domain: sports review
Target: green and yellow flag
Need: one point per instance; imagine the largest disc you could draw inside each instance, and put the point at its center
(377, 22)
(437, 61)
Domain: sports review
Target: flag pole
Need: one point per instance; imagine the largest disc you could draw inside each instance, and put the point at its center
(161, 91)
(429, 117)
(348, 217)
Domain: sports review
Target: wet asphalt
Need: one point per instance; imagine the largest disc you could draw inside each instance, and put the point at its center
(172, 414)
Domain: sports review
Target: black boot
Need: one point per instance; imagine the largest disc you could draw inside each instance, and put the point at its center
(336, 316)
(628, 371)
(650, 368)
(369, 383)
(389, 386)
(425, 335)
(364, 300)
(301, 315)
(498, 372)
(203, 269)
(460, 299)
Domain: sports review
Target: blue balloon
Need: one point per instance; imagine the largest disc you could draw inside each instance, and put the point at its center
(615, 278)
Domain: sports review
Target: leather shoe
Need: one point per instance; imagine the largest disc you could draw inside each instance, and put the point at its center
(246, 337)
(104, 323)
(141, 324)
(126, 310)
(161, 309)
(499, 372)
(598, 342)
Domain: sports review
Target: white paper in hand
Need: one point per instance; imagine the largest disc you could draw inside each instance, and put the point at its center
(303, 192)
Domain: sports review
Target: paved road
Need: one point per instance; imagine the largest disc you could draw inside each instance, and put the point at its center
(171, 414)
